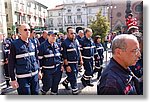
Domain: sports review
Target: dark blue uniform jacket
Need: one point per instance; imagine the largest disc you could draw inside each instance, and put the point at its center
(49, 56)
(116, 80)
(23, 58)
(70, 50)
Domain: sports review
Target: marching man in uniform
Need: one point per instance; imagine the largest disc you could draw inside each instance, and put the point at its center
(50, 61)
(23, 63)
(71, 56)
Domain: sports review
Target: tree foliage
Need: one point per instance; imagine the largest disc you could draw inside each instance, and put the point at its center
(100, 26)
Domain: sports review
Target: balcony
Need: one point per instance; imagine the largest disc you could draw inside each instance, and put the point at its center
(79, 24)
(69, 24)
(59, 25)
(50, 25)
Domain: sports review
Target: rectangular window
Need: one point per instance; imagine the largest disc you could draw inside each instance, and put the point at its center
(51, 22)
(39, 7)
(69, 19)
(29, 4)
(90, 11)
(59, 20)
(59, 14)
(23, 18)
(78, 18)
(50, 14)
(7, 19)
(5, 4)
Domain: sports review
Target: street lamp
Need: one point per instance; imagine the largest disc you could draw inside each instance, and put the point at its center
(111, 7)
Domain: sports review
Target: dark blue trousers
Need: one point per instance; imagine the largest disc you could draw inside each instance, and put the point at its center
(28, 86)
(88, 67)
(72, 76)
(51, 79)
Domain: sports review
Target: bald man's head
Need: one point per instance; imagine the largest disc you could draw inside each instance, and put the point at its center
(24, 30)
(22, 27)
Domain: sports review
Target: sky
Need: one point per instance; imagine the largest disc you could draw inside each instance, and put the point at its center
(53, 3)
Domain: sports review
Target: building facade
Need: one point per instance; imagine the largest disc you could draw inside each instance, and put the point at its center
(24, 11)
(77, 15)
(117, 12)
(3, 25)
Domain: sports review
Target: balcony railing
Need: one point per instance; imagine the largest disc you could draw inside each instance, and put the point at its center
(59, 25)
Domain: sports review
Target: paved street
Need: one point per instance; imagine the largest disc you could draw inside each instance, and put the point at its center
(62, 91)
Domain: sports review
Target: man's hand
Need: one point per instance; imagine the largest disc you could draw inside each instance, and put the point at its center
(68, 69)
(14, 84)
(40, 75)
(6, 62)
(62, 68)
(81, 62)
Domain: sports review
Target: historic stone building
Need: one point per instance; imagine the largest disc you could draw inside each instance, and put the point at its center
(3, 25)
(24, 11)
(76, 14)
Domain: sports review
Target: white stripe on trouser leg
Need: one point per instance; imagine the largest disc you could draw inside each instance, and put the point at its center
(66, 81)
(97, 67)
(87, 76)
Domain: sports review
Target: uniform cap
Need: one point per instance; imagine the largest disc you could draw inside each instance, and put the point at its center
(51, 32)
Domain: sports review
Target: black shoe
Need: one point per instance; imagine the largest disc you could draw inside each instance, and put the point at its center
(66, 86)
(83, 82)
(90, 84)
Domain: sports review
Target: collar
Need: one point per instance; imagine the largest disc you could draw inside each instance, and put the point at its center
(25, 41)
(50, 45)
(121, 68)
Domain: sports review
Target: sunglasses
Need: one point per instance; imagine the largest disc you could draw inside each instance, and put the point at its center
(26, 29)
(72, 33)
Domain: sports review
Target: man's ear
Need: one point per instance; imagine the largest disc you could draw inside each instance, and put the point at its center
(118, 51)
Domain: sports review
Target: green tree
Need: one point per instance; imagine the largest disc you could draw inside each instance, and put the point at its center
(100, 26)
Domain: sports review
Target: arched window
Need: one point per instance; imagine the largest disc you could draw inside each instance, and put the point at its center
(119, 14)
(78, 9)
(69, 10)
(138, 8)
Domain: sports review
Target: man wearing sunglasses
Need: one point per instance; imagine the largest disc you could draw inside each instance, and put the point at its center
(71, 56)
(23, 63)
(117, 78)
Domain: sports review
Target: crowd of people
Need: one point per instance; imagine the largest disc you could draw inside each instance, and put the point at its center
(28, 59)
